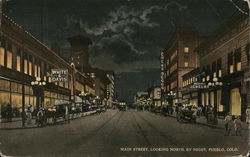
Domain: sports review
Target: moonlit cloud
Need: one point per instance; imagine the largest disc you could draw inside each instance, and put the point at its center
(115, 36)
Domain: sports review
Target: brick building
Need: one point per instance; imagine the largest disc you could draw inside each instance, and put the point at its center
(224, 57)
(180, 58)
(23, 59)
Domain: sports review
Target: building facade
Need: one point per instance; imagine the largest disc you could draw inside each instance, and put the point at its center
(224, 58)
(180, 58)
(23, 59)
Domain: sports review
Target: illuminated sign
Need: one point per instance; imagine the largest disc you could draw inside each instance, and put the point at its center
(59, 75)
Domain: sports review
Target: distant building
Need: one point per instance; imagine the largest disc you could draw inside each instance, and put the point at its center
(79, 55)
(141, 98)
(180, 58)
(155, 95)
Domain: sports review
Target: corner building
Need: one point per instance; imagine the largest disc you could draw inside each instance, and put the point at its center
(180, 58)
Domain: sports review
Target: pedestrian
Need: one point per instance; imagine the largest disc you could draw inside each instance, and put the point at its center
(228, 124)
(237, 126)
(29, 115)
(247, 115)
(67, 113)
(9, 113)
(40, 117)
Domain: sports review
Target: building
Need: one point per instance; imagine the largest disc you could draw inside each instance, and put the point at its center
(142, 98)
(155, 95)
(191, 87)
(23, 60)
(224, 61)
(180, 58)
(103, 84)
(79, 51)
(110, 87)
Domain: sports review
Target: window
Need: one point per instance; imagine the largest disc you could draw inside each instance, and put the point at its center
(230, 64)
(39, 71)
(1, 56)
(9, 59)
(18, 60)
(173, 56)
(237, 58)
(214, 69)
(35, 71)
(208, 78)
(219, 67)
(186, 49)
(30, 68)
(25, 66)
(18, 63)
(186, 64)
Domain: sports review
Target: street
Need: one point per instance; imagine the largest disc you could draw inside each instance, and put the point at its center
(122, 133)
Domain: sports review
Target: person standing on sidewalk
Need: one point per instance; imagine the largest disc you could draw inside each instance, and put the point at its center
(67, 118)
(237, 126)
(247, 115)
(29, 115)
(228, 124)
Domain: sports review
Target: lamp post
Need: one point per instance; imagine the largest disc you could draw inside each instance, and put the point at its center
(171, 94)
(215, 83)
(38, 85)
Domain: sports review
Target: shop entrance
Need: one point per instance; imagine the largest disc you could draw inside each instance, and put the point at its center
(235, 102)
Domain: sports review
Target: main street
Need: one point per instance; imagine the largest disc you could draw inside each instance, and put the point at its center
(121, 133)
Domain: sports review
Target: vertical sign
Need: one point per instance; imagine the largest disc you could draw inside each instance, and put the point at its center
(162, 71)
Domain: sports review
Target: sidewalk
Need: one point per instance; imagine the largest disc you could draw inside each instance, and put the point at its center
(17, 123)
(203, 121)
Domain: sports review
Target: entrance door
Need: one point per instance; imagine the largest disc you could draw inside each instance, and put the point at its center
(235, 102)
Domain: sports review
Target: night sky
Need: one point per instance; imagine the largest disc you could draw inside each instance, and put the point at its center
(127, 35)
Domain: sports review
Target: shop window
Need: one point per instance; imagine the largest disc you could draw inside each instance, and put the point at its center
(186, 64)
(212, 99)
(14, 87)
(4, 98)
(16, 104)
(9, 59)
(219, 106)
(186, 49)
(2, 56)
(5, 85)
(235, 102)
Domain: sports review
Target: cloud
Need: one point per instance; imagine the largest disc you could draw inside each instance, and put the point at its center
(122, 18)
(124, 39)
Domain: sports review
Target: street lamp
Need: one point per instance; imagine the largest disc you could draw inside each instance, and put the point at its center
(215, 84)
(37, 85)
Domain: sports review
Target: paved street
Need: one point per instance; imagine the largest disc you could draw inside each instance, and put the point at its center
(115, 133)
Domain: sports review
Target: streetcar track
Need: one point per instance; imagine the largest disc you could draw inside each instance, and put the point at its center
(72, 146)
(167, 137)
(113, 130)
(144, 136)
